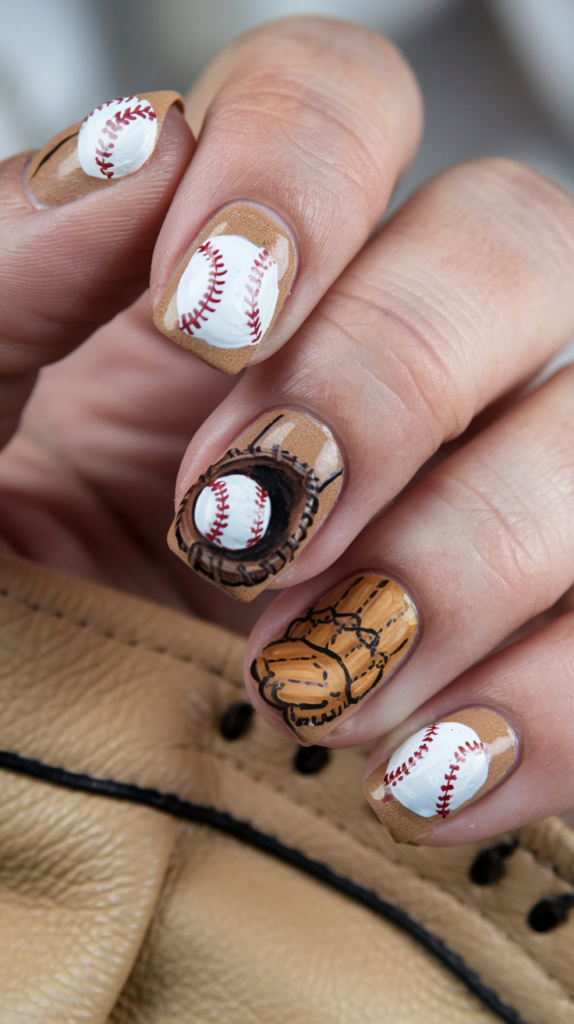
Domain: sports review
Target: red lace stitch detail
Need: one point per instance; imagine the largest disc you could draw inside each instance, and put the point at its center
(403, 769)
(263, 261)
(219, 488)
(212, 294)
(257, 528)
(460, 756)
(113, 127)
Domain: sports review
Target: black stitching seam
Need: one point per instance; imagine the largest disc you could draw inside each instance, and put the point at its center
(171, 804)
(110, 635)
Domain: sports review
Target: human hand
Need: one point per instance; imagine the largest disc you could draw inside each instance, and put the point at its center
(386, 349)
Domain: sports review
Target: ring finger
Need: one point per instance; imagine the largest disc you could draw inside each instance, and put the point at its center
(483, 543)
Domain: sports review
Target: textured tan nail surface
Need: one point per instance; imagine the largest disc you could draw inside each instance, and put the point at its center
(230, 288)
(439, 770)
(336, 655)
(252, 512)
(124, 133)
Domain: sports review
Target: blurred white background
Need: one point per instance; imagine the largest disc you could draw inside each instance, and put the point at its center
(498, 75)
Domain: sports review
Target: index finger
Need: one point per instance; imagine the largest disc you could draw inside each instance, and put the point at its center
(307, 124)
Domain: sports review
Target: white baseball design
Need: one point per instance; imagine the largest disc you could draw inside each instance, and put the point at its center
(117, 138)
(436, 770)
(233, 512)
(228, 292)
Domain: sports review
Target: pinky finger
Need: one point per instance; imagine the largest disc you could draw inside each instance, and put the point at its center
(492, 751)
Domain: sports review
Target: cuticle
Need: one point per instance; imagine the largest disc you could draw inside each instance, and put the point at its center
(32, 199)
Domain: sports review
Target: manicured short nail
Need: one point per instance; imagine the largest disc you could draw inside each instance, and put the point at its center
(114, 140)
(229, 289)
(252, 512)
(439, 770)
(332, 659)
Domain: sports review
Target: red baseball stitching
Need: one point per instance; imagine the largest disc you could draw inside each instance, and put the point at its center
(263, 261)
(460, 756)
(212, 294)
(219, 489)
(403, 769)
(257, 528)
(112, 128)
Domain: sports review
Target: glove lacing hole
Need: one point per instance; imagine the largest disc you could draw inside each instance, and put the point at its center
(310, 760)
(549, 913)
(488, 865)
(236, 720)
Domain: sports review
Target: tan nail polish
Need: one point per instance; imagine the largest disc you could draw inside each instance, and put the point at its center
(230, 288)
(335, 656)
(113, 141)
(252, 512)
(439, 770)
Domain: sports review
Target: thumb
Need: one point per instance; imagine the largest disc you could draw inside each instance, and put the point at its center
(75, 248)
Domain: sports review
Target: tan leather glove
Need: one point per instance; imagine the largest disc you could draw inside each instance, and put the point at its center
(157, 869)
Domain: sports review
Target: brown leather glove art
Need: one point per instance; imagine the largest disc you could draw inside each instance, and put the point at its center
(333, 658)
(286, 465)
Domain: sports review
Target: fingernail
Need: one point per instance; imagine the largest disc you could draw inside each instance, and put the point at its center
(331, 660)
(439, 770)
(114, 140)
(230, 288)
(252, 512)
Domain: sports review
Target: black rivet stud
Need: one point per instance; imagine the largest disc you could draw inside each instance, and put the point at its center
(488, 865)
(236, 720)
(309, 760)
(548, 914)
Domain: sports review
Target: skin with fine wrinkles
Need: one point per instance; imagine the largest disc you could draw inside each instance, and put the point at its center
(398, 341)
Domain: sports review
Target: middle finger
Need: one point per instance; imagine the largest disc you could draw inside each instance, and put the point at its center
(463, 295)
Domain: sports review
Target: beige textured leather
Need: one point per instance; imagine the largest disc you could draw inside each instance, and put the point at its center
(115, 912)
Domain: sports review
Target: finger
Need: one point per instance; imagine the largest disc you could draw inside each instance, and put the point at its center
(68, 267)
(481, 545)
(448, 308)
(86, 484)
(505, 726)
(308, 123)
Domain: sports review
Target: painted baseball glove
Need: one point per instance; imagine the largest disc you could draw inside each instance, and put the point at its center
(334, 656)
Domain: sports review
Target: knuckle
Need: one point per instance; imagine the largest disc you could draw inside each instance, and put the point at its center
(519, 209)
(338, 95)
(426, 358)
(516, 524)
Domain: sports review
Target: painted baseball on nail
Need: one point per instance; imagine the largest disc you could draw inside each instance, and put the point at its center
(233, 512)
(248, 516)
(440, 769)
(113, 141)
(117, 138)
(230, 287)
(228, 292)
(436, 770)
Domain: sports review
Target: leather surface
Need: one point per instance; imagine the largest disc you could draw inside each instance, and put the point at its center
(117, 912)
